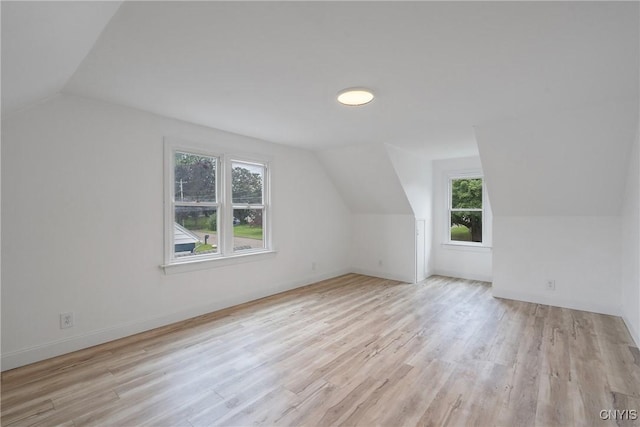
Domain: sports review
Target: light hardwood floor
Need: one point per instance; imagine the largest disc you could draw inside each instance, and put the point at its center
(353, 350)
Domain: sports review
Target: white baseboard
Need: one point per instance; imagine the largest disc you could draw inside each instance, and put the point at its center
(635, 334)
(383, 275)
(37, 353)
(463, 275)
(40, 352)
(541, 299)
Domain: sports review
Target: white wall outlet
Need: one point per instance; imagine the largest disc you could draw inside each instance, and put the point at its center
(313, 266)
(379, 263)
(66, 320)
(551, 285)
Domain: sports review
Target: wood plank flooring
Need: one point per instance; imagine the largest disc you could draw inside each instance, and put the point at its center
(354, 350)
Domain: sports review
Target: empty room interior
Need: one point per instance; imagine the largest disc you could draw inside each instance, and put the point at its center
(320, 213)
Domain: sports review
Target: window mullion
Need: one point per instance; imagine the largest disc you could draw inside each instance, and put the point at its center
(197, 204)
(227, 225)
(248, 206)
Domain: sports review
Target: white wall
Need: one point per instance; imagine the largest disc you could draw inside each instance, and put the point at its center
(82, 227)
(383, 237)
(630, 232)
(450, 260)
(415, 171)
(582, 255)
(556, 181)
(384, 246)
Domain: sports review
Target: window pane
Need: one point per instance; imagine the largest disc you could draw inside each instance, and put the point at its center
(466, 226)
(247, 229)
(195, 231)
(246, 183)
(195, 178)
(466, 193)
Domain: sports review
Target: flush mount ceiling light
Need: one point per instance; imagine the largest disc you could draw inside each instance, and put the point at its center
(355, 96)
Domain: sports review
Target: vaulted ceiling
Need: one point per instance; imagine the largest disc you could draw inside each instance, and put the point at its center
(272, 69)
(43, 43)
(559, 162)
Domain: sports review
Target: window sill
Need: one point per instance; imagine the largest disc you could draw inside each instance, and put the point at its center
(466, 247)
(205, 264)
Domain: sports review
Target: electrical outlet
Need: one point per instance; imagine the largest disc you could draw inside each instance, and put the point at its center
(551, 285)
(66, 320)
(379, 263)
(313, 266)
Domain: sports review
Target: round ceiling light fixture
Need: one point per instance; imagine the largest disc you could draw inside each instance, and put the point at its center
(355, 96)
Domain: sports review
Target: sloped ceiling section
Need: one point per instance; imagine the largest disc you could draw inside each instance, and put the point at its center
(43, 43)
(366, 179)
(414, 170)
(569, 163)
(271, 70)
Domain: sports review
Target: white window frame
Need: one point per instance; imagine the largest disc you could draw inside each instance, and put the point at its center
(266, 214)
(465, 175)
(224, 209)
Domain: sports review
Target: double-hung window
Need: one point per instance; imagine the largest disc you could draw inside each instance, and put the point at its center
(217, 205)
(195, 207)
(249, 208)
(466, 210)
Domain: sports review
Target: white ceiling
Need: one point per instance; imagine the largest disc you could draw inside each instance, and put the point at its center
(559, 163)
(43, 43)
(271, 70)
(366, 179)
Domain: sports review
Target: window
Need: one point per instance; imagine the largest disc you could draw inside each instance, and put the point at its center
(247, 195)
(195, 204)
(466, 210)
(217, 205)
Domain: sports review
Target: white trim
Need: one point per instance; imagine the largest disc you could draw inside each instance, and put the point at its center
(171, 146)
(466, 247)
(225, 237)
(265, 206)
(168, 176)
(223, 205)
(383, 275)
(462, 275)
(40, 352)
(464, 173)
(420, 276)
(609, 309)
(191, 264)
(475, 173)
(635, 334)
